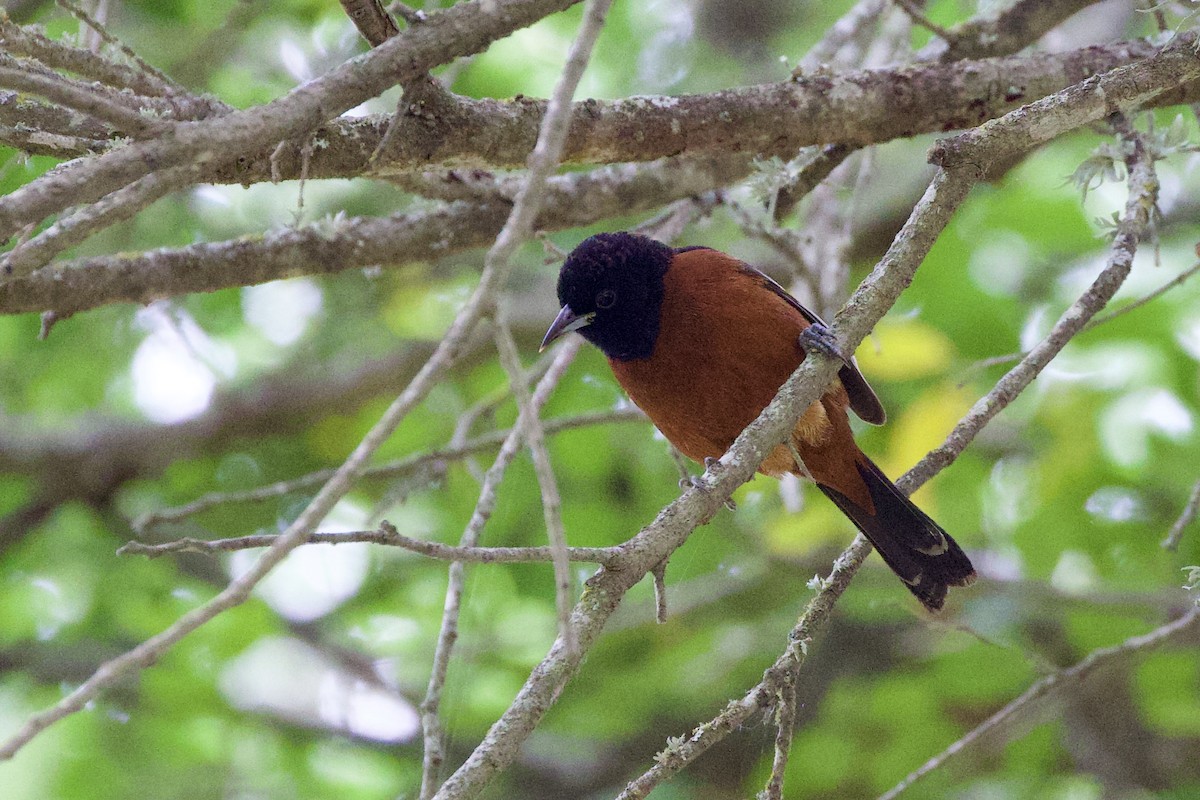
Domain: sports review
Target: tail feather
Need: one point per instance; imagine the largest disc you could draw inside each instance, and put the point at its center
(913, 545)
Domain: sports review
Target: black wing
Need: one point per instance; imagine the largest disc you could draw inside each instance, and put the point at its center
(863, 399)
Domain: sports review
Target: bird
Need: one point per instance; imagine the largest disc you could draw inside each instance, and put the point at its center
(702, 341)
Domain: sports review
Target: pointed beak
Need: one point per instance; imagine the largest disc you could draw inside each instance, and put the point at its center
(566, 321)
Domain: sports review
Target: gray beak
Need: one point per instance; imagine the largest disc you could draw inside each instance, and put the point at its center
(566, 321)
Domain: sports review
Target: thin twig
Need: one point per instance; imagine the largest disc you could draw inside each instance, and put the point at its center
(75, 228)
(1094, 660)
(1094, 322)
(542, 161)
(66, 92)
(668, 225)
(1185, 518)
(1018, 25)
(497, 265)
(659, 574)
(787, 243)
(535, 437)
(1035, 660)
(413, 16)
(765, 694)
(390, 469)
(28, 42)
(785, 726)
(675, 522)
(387, 535)
(852, 25)
(107, 37)
(485, 407)
(820, 161)
(1143, 193)
(917, 15)
(1154, 295)
(434, 755)
(682, 465)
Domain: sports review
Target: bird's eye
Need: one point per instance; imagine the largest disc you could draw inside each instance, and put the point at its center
(606, 298)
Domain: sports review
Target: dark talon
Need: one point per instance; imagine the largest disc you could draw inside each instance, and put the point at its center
(819, 338)
(695, 482)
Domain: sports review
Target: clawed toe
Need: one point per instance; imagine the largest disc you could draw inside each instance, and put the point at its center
(695, 482)
(817, 337)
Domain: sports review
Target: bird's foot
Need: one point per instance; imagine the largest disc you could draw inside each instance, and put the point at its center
(695, 482)
(816, 337)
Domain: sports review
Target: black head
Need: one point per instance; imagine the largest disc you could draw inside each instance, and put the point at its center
(611, 290)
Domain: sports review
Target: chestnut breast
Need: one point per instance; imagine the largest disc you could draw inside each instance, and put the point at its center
(725, 345)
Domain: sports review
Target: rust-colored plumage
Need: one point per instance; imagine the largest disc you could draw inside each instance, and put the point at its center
(702, 342)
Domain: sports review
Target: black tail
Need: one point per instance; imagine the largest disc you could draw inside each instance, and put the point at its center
(912, 544)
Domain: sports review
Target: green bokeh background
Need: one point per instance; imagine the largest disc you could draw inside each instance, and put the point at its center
(1063, 501)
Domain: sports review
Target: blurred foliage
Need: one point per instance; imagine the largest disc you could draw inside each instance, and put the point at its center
(1063, 501)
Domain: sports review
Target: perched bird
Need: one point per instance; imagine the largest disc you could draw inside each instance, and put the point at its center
(702, 342)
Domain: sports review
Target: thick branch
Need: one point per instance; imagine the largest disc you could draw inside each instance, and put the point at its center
(1117, 91)
(329, 247)
(865, 107)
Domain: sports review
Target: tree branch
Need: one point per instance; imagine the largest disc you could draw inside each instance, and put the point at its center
(520, 222)
(77, 227)
(113, 109)
(459, 30)
(858, 107)
(391, 469)
(387, 536)
(1091, 100)
(334, 245)
(1186, 517)
(431, 726)
(23, 41)
(1097, 659)
(535, 436)
(495, 272)
(1006, 31)
(675, 523)
(1143, 194)
(1143, 190)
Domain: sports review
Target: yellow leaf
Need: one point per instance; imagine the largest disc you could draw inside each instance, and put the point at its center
(904, 348)
(819, 524)
(922, 426)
